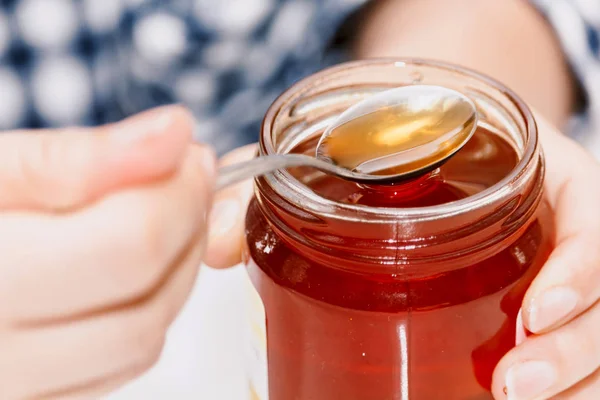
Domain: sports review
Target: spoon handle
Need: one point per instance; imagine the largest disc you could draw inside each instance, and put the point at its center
(261, 165)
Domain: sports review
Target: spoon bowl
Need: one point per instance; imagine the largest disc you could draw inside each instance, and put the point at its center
(391, 136)
(400, 131)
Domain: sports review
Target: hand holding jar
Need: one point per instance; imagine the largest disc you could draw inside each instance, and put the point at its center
(562, 359)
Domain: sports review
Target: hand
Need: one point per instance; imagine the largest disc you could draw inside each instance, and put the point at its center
(227, 222)
(102, 234)
(562, 359)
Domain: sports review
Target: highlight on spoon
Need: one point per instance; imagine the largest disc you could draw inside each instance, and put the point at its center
(401, 131)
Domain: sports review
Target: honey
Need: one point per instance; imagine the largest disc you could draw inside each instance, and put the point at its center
(383, 142)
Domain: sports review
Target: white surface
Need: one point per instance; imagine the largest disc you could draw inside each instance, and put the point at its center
(202, 357)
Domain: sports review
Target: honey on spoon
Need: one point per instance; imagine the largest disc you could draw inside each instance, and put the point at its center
(391, 136)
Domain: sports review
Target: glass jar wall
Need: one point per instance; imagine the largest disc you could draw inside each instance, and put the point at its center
(403, 292)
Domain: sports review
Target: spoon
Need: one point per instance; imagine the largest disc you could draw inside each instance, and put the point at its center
(394, 135)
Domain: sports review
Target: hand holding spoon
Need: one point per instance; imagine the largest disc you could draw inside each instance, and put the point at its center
(391, 136)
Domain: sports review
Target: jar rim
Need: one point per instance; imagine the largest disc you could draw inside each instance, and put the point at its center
(294, 191)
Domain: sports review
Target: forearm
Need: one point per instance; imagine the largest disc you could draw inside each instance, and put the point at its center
(507, 40)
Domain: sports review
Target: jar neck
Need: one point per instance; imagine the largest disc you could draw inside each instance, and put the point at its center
(379, 242)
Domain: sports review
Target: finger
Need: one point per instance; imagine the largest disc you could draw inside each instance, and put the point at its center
(63, 169)
(567, 284)
(227, 217)
(548, 364)
(97, 390)
(587, 389)
(105, 255)
(101, 352)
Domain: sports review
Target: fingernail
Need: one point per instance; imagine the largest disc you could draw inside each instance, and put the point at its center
(528, 380)
(551, 307)
(223, 217)
(521, 333)
(140, 127)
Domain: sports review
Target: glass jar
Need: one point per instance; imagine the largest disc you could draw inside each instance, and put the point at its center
(357, 302)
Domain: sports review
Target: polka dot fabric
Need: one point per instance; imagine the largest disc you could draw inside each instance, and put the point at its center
(88, 62)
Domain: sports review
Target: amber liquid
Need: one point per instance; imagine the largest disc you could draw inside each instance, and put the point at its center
(337, 334)
(397, 139)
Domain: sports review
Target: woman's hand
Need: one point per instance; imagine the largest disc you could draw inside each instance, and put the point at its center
(562, 359)
(227, 218)
(102, 232)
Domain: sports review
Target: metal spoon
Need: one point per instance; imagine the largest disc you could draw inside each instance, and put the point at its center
(391, 136)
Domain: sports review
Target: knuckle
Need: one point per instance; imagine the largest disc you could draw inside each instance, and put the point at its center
(149, 340)
(30, 159)
(575, 347)
(149, 357)
(144, 245)
(159, 314)
(583, 248)
(590, 253)
(153, 347)
(39, 168)
(566, 346)
(150, 242)
(587, 272)
(153, 355)
(154, 243)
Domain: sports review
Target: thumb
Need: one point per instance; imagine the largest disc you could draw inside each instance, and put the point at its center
(227, 216)
(67, 168)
